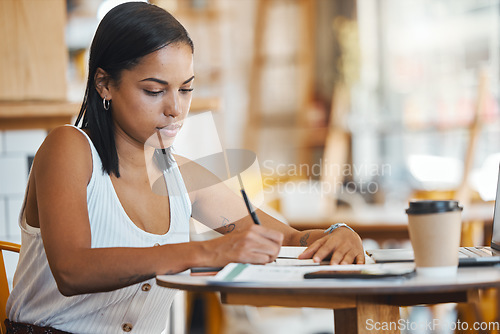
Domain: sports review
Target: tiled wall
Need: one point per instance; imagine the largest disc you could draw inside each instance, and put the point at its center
(16, 150)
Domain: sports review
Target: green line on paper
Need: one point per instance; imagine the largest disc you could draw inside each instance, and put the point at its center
(235, 272)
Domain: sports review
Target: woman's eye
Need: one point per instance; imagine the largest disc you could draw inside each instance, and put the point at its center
(153, 93)
(186, 90)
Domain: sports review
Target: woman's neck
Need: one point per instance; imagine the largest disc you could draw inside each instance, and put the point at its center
(133, 156)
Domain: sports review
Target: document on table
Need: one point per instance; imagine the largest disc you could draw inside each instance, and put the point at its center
(246, 273)
(242, 272)
(288, 256)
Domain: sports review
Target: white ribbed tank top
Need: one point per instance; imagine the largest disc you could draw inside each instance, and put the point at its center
(35, 298)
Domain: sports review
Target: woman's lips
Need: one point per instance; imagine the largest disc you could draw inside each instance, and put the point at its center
(169, 130)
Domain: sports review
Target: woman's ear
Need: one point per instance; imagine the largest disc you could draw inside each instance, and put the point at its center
(102, 82)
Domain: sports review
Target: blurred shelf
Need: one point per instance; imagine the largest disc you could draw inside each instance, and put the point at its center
(314, 136)
(21, 115)
(277, 119)
(201, 104)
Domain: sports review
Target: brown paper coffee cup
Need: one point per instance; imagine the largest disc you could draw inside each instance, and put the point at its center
(435, 230)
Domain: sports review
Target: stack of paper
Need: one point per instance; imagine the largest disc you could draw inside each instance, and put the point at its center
(288, 256)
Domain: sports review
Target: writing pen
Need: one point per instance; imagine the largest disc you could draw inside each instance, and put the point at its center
(250, 209)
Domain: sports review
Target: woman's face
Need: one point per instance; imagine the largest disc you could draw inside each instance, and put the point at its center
(152, 99)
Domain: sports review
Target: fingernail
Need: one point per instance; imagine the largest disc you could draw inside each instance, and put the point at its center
(316, 259)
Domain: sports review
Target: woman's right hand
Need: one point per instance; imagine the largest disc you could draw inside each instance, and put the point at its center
(255, 244)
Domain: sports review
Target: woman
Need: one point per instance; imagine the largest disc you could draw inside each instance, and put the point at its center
(94, 234)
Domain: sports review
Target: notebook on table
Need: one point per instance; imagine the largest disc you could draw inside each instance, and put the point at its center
(467, 256)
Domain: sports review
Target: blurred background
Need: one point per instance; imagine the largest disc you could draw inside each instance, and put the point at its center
(352, 107)
(377, 100)
(392, 97)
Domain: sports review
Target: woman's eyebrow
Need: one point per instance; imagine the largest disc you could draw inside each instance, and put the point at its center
(185, 82)
(163, 82)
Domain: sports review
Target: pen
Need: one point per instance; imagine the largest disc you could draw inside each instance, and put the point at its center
(248, 204)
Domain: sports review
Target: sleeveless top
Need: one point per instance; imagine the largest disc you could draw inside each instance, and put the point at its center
(142, 307)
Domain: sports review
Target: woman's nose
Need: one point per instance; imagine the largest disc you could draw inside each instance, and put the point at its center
(172, 106)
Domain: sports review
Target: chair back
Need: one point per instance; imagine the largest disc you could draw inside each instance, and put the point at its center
(4, 284)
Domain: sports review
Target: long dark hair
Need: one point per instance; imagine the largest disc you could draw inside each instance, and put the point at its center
(127, 33)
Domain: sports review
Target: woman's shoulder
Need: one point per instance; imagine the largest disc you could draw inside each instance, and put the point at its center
(66, 132)
(65, 146)
(65, 138)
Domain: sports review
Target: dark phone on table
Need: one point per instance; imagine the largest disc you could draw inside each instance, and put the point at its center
(361, 273)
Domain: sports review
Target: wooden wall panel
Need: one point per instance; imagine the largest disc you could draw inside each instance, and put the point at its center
(33, 53)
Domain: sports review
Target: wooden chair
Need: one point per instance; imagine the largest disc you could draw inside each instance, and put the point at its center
(4, 285)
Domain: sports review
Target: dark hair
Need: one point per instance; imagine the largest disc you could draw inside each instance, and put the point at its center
(127, 33)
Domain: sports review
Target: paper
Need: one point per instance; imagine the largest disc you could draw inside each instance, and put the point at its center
(391, 255)
(240, 272)
(288, 256)
(247, 273)
(290, 252)
(293, 262)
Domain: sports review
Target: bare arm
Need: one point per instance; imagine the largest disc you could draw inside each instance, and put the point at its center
(342, 245)
(223, 210)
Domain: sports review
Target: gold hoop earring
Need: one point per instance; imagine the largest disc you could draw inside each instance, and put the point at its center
(106, 103)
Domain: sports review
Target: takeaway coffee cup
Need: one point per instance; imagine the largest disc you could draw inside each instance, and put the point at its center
(435, 229)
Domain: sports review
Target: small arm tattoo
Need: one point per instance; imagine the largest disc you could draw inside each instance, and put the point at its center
(303, 239)
(227, 228)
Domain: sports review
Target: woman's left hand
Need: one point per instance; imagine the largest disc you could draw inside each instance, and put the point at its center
(343, 245)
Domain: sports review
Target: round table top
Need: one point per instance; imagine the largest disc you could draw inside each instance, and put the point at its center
(466, 279)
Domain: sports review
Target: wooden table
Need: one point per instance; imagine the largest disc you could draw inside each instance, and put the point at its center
(360, 306)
